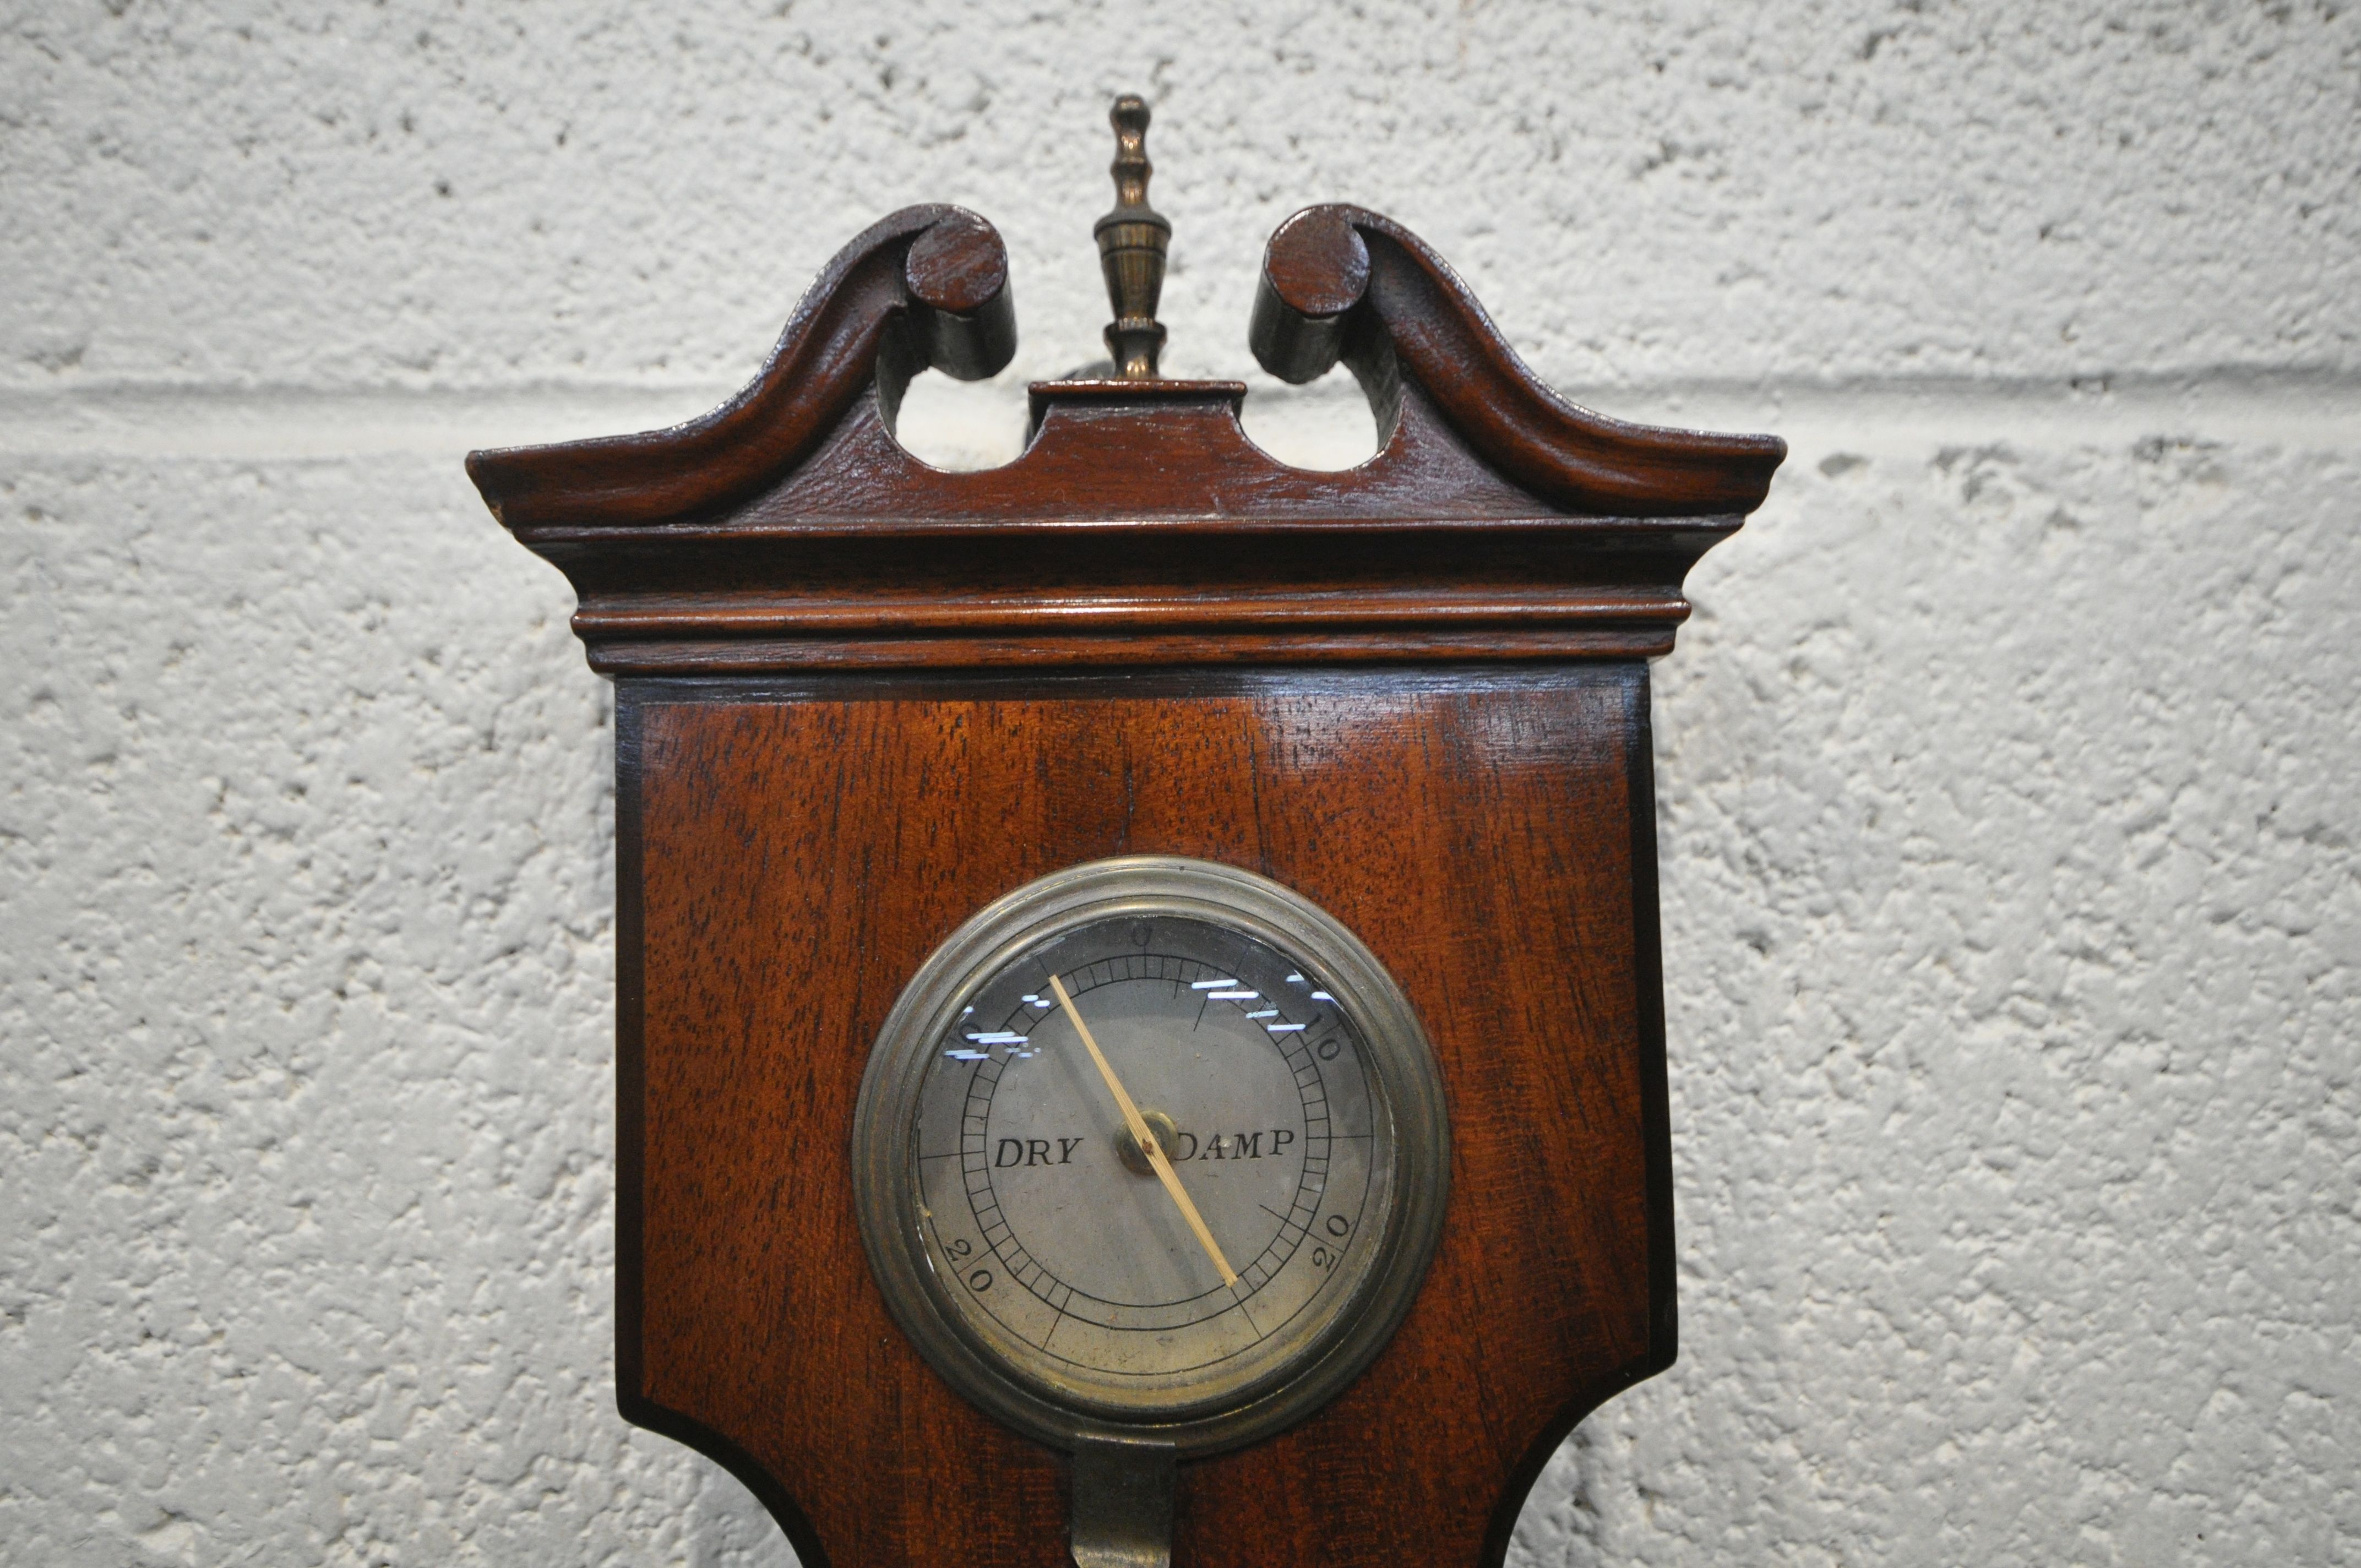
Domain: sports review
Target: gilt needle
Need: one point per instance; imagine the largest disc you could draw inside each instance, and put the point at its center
(1144, 1137)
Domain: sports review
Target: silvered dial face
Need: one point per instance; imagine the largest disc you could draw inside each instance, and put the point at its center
(1151, 1143)
(1058, 1242)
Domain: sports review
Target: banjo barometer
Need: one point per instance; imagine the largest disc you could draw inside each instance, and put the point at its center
(1139, 1038)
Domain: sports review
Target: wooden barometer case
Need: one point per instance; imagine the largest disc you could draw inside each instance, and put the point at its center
(1139, 1030)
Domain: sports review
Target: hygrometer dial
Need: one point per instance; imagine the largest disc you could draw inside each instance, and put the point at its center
(1150, 1145)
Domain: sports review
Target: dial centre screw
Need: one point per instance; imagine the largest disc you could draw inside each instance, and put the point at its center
(1134, 1158)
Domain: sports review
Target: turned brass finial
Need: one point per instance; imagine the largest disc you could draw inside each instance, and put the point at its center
(1132, 241)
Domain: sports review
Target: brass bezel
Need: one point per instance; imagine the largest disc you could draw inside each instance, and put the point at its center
(1404, 1083)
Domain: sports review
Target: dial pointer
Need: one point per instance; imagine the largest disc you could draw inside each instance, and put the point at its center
(1144, 1138)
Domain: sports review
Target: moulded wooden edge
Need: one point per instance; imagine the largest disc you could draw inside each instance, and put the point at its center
(1607, 533)
(940, 269)
(1343, 283)
(1055, 611)
(1634, 639)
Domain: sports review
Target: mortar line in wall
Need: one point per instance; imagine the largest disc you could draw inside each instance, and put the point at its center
(1898, 414)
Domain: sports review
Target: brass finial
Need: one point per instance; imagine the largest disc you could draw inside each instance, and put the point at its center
(1132, 241)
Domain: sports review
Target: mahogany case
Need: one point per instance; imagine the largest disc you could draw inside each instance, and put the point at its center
(859, 698)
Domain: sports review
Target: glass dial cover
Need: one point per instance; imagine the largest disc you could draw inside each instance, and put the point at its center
(1024, 1235)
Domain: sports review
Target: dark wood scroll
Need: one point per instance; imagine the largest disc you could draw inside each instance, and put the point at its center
(859, 698)
(1342, 282)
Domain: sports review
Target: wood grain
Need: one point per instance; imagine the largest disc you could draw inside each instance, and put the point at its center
(791, 852)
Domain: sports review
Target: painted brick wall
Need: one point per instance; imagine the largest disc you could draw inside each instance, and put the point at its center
(2010, 774)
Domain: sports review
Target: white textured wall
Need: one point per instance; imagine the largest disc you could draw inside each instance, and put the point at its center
(2013, 921)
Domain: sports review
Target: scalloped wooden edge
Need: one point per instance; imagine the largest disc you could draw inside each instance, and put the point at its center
(1343, 283)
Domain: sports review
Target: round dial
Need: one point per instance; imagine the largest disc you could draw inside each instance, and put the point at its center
(1151, 1143)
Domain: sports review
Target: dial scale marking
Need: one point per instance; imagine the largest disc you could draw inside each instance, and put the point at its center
(1230, 1050)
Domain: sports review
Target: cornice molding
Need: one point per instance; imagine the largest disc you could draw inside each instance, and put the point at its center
(789, 529)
